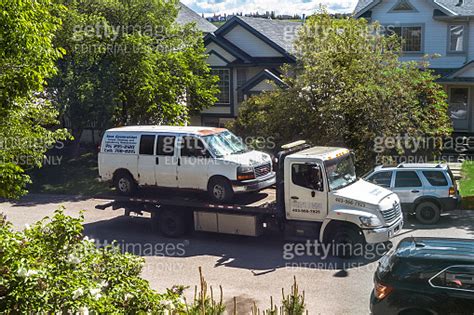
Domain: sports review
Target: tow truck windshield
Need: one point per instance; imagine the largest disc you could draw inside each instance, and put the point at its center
(340, 172)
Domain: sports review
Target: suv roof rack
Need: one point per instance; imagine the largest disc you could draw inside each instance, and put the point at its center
(421, 165)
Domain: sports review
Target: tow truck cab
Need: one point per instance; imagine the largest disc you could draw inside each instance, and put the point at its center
(319, 188)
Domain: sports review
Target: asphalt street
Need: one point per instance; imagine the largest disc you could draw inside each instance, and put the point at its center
(250, 269)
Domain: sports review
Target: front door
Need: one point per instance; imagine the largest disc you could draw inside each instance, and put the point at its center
(166, 161)
(193, 164)
(146, 160)
(308, 198)
(460, 111)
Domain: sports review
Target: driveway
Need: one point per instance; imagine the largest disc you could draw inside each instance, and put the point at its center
(250, 269)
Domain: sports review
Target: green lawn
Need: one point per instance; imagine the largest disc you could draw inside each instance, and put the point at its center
(466, 184)
(73, 176)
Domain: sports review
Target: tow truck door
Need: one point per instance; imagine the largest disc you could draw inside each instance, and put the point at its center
(306, 192)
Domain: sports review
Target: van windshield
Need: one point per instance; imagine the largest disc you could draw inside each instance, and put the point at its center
(340, 172)
(225, 143)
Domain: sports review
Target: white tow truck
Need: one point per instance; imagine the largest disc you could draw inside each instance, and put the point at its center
(317, 196)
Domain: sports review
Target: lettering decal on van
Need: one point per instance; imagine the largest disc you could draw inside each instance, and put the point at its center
(120, 143)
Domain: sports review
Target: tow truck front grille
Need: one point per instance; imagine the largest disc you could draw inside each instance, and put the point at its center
(263, 170)
(393, 213)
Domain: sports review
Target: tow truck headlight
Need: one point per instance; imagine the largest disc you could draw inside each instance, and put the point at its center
(370, 221)
(245, 173)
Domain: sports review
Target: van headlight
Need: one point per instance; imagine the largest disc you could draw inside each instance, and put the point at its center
(245, 173)
(370, 221)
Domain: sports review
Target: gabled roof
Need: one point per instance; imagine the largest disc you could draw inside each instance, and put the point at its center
(455, 75)
(186, 15)
(279, 34)
(448, 7)
(263, 75)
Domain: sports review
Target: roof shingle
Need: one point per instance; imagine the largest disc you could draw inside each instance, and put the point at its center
(186, 15)
(283, 33)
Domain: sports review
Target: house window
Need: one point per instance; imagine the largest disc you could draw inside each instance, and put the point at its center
(458, 100)
(223, 84)
(241, 80)
(411, 37)
(456, 38)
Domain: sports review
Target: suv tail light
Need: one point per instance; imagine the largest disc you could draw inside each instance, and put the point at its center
(452, 191)
(381, 291)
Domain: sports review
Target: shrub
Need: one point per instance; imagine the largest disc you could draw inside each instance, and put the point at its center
(51, 266)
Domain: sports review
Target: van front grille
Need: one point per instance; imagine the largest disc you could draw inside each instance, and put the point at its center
(263, 170)
(392, 213)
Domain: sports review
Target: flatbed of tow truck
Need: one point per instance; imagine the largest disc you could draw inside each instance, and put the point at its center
(175, 212)
(263, 202)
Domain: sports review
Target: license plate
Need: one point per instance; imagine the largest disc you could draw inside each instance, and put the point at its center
(395, 230)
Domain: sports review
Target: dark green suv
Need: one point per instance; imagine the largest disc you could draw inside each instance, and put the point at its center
(425, 276)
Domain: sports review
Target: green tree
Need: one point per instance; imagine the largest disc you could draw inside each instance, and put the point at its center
(27, 58)
(129, 62)
(348, 88)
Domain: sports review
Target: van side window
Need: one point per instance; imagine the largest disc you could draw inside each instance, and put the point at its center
(458, 277)
(407, 179)
(303, 175)
(382, 179)
(192, 147)
(435, 178)
(165, 145)
(147, 142)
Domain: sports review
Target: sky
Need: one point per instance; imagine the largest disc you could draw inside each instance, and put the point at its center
(209, 7)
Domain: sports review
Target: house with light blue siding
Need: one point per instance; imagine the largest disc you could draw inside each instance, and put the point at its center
(247, 55)
(435, 27)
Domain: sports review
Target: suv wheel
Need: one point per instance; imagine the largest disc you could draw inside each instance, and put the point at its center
(220, 190)
(428, 213)
(125, 184)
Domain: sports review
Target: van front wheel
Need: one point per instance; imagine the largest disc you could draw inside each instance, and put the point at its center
(220, 190)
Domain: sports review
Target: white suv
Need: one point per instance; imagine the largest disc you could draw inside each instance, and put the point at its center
(201, 158)
(424, 189)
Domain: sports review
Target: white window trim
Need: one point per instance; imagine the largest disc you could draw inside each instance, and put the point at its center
(465, 39)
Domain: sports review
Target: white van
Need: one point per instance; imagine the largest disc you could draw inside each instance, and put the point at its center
(202, 158)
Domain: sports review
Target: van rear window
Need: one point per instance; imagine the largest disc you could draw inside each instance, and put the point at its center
(435, 178)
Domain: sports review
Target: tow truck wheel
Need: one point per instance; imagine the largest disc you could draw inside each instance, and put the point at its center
(171, 223)
(125, 184)
(220, 190)
(428, 213)
(346, 239)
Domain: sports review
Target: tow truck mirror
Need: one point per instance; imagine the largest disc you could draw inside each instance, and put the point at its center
(316, 177)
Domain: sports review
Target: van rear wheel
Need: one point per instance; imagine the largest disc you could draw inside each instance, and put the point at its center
(220, 190)
(428, 213)
(125, 184)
